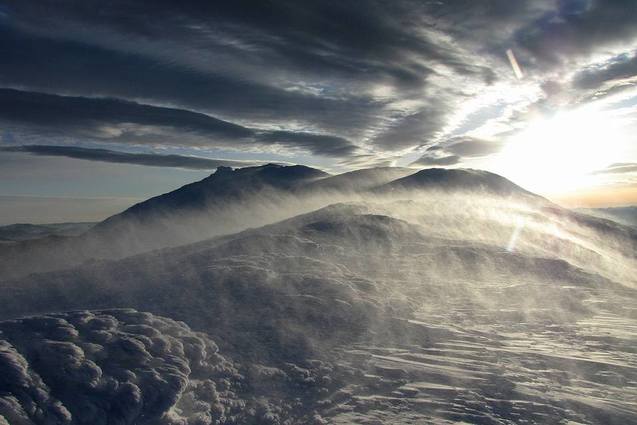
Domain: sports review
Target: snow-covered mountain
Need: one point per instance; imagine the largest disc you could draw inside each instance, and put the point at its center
(229, 201)
(474, 304)
(463, 180)
(223, 186)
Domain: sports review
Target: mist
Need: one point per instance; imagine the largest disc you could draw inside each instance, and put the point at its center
(379, 296)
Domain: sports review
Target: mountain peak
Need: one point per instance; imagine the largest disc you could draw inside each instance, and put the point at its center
(224, 184)
(270, 171)
(467, 179)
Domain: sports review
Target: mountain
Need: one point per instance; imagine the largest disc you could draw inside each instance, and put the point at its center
(228, 187)
(624, 215)
(232, 200)
(225, 185)
(423, 310)
(227, 201)
(193, 203)
(465, 180)
(358, 180)
(24, 231)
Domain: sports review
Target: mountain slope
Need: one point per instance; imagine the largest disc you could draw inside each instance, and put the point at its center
(233, 200)
(383, 311)
(227, 201)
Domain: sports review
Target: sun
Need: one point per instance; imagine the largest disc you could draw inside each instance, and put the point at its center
(560, 154)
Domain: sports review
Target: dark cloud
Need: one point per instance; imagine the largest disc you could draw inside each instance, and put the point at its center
(71, 67)
(319, 144)
(576, 28)
(336, 38)
(81, 112)
(341, 70)
(620, 67)
(267, 63)
(416, 128)
(114, 120)
(150, 159)
(453, 150)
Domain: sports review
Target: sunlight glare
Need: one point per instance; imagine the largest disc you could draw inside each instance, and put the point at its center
(560, 154)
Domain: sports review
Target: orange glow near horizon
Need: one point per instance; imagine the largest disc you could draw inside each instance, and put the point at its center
(598, 198)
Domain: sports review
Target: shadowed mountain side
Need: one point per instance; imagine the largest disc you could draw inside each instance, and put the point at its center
(225, 185)
(225, 202)
(232, 200)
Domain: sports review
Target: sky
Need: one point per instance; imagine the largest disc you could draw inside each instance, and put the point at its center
(103, 104)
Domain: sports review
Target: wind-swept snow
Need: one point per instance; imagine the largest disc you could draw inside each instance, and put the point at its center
(402, 306)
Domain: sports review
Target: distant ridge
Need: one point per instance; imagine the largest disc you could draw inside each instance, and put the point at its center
(25, 231)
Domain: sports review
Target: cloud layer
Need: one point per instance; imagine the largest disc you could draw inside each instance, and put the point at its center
(351, 82)
(105, 155)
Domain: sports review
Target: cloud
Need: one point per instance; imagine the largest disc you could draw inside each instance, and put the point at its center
(150, 159)
(452, 151)
(320, 144)
(275, 66)
(364, 75)
(621, 67)
(619, 168)
(81, 112)
(471, 146)
(577, 28)
(412, 129)
(119, 121)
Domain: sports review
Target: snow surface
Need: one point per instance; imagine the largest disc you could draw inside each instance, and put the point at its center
(401, 306)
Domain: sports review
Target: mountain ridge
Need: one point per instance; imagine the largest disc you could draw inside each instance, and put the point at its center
(376, 310)
(465, 179)
(231, 200)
